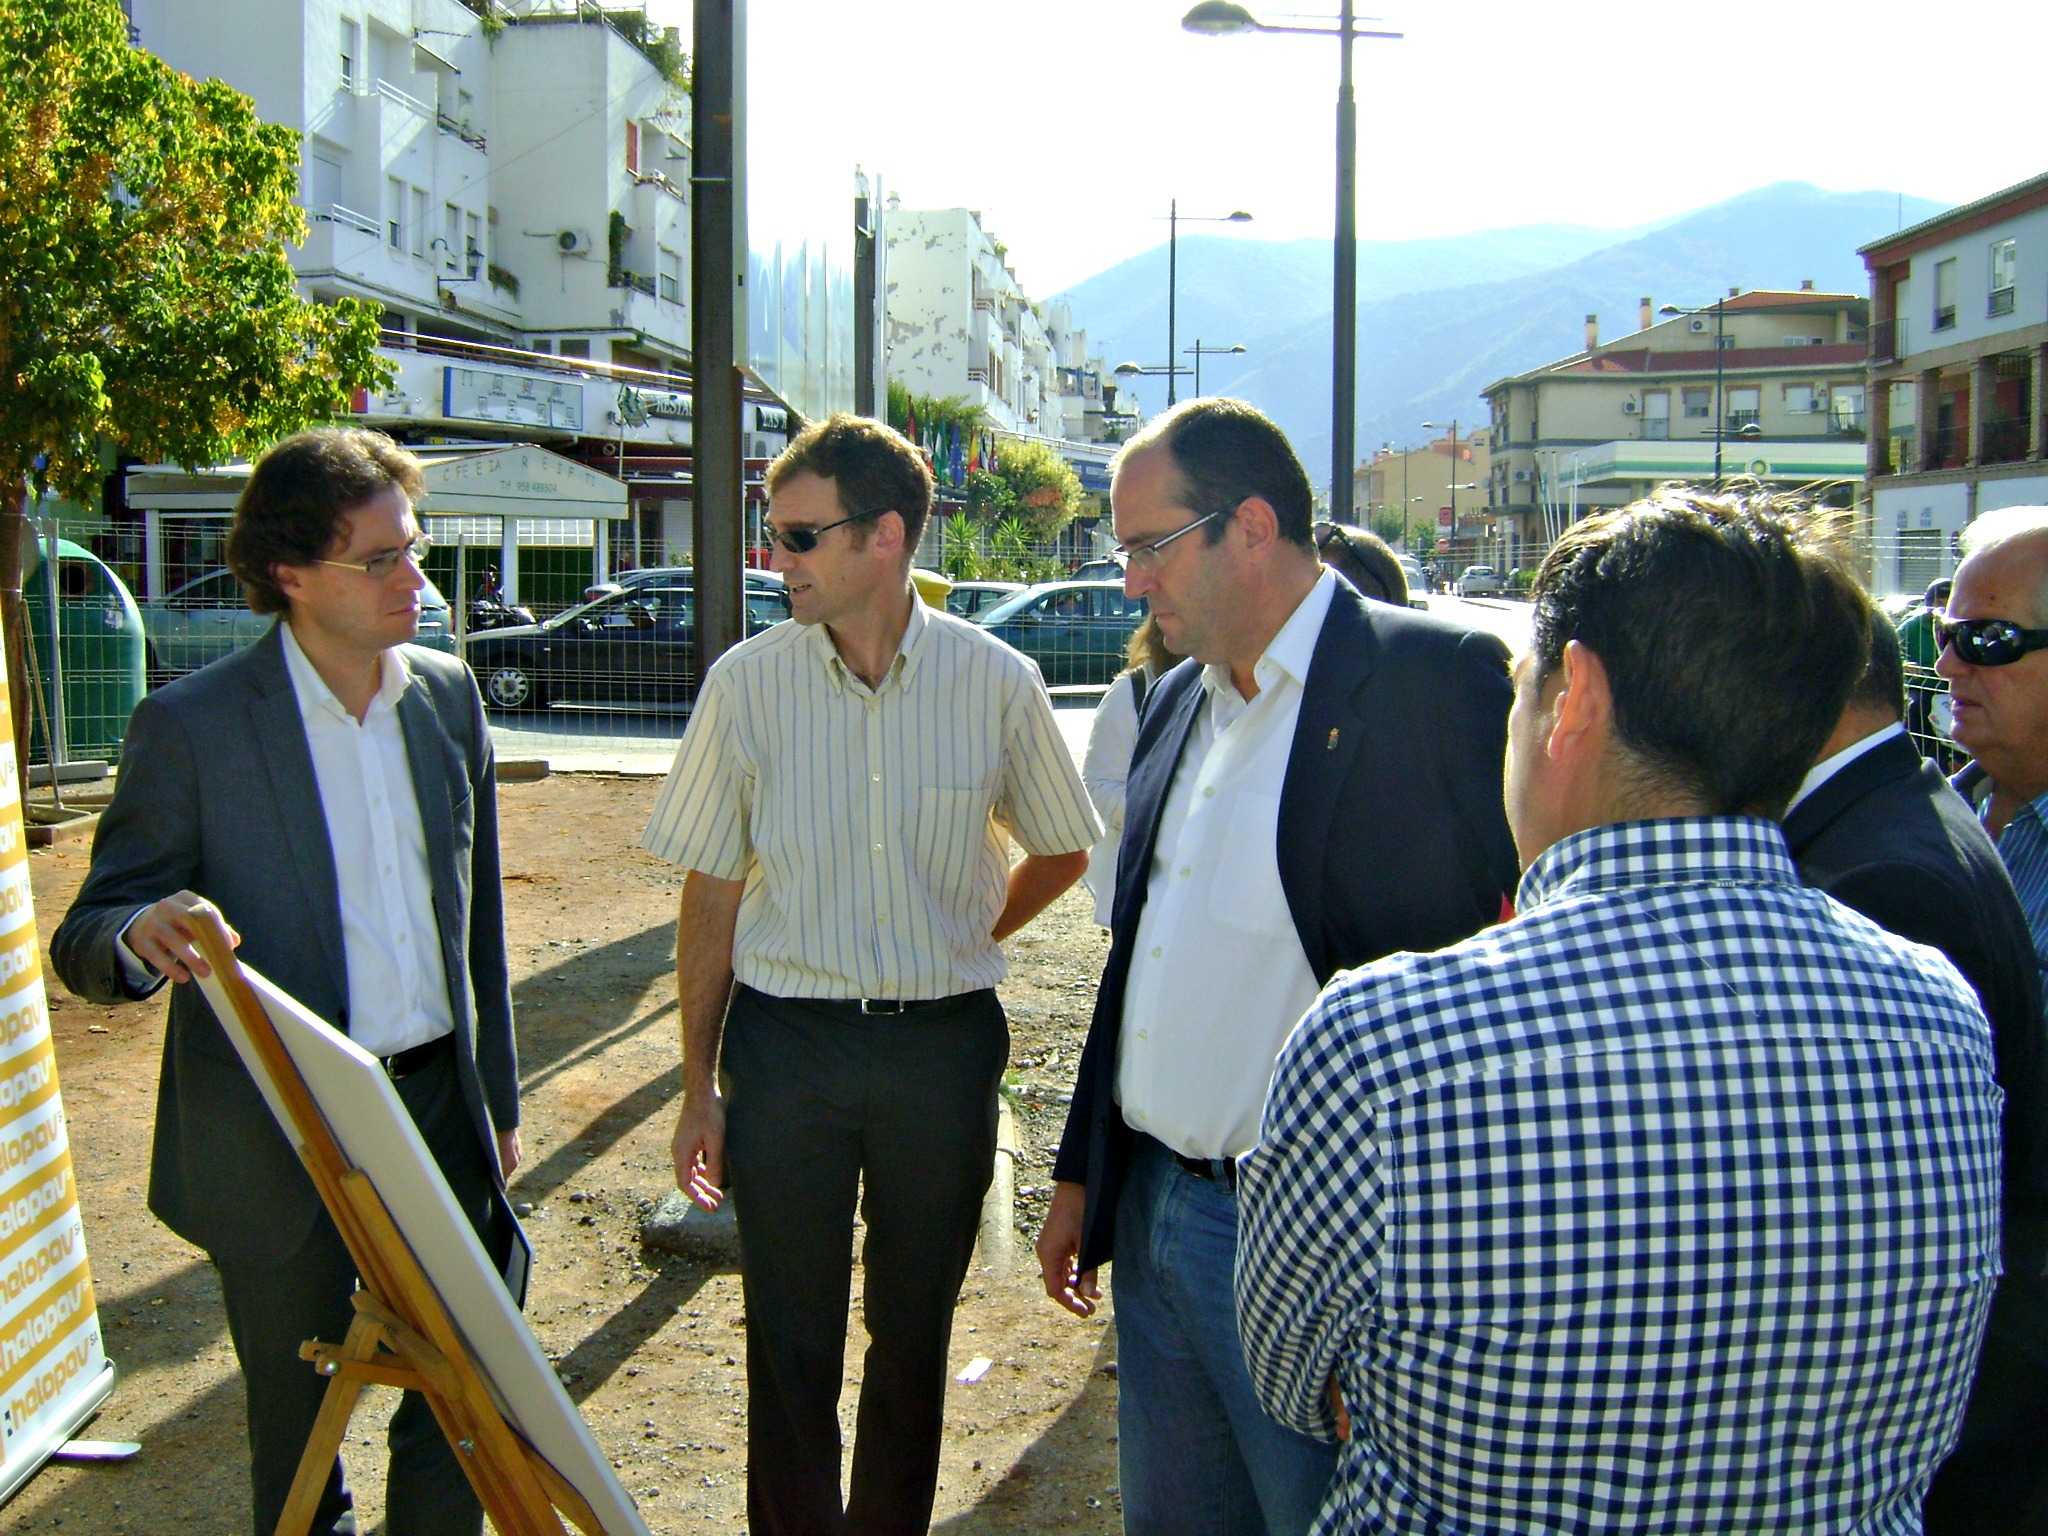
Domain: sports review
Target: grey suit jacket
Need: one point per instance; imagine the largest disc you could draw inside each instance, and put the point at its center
(217, 795)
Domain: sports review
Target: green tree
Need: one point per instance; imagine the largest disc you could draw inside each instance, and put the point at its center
(1048, 491)
(1388, 526)
(989, 495)
(148, 301)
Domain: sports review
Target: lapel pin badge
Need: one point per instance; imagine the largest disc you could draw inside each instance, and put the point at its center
(1331, 744)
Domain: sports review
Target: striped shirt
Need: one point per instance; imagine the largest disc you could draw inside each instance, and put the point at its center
(865, 822)
(1671, 1206)
(2023, 846)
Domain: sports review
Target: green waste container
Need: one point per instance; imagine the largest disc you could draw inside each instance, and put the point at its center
(101, 632)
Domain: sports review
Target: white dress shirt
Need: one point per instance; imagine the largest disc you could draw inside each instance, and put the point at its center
(397, 985)
(391, 943)
(1218, 976)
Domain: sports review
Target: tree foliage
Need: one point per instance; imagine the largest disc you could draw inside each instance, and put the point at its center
(1048, 491)
(148, 302)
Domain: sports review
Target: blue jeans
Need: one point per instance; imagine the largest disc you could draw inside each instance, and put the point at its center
(1196, 1454)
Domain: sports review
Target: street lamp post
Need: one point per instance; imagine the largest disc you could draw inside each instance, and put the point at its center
(1720, 358)
(1173, 218)
(1452, 474)
(1220, 18)
(1198, 352)
(1150, 371)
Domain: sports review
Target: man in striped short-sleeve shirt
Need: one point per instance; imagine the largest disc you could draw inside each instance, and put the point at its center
(836, 801)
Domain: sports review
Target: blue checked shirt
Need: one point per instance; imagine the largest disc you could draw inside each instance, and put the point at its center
(1671, 1206)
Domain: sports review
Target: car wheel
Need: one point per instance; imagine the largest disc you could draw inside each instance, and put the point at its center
(509, 687)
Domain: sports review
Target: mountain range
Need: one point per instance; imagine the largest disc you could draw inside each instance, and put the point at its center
(1440, 319)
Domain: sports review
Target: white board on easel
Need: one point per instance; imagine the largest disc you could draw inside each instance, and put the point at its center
(377, 1135)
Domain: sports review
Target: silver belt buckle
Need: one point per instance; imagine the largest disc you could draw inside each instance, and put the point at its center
(881, 1005)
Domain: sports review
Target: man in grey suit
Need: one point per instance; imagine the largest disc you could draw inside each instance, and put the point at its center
(330, 791)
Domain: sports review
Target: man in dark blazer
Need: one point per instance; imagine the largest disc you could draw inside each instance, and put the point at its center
(330, 791)
(1319, 786)
(1880, 830)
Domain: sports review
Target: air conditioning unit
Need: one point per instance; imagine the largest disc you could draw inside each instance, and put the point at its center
(1629, 407)
(1820, 398)
(1696, 325)
(573, 242)
(1521, 477)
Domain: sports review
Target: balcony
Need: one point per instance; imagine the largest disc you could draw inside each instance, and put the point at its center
(1901, 454)
(2001, 302)
(1887, 339)
(1945, 449)
(2005, 439)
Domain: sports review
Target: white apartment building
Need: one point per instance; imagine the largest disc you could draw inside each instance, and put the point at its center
(959, 325)
(517, 205)
(1958, 363)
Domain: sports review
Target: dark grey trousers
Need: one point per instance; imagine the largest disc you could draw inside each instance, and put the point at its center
(274, 1308)
(826, 1104)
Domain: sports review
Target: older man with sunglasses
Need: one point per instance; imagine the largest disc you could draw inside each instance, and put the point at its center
(837, 802)
(1992, 638)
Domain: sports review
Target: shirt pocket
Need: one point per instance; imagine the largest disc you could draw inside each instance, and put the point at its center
(1245, 894)
(947, 837)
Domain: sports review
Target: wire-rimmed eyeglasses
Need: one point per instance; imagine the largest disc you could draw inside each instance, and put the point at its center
(1145, 553)
(377, 567)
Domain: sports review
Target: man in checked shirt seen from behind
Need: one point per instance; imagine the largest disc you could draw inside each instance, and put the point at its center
(1671, 1205)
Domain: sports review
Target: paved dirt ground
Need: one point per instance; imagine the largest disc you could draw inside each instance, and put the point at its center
(650, 1345)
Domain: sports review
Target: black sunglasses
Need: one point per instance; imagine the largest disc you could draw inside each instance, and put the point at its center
(1988, 642)
(801, 541)
(1331, 535)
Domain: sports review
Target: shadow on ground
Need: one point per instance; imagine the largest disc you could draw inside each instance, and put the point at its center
(1067, 1474)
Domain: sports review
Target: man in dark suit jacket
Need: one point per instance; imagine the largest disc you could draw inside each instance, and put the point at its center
(1325, 790)
(1879, 829)
(330, 791)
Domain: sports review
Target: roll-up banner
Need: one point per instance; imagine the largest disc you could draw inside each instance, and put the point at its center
(54, 1372)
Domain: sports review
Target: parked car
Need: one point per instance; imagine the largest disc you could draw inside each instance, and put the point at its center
(209, 618)
(754, 578)
(1479, 581)
(971, 599)
(1107, 568)
(1075, 630)
(631, 649)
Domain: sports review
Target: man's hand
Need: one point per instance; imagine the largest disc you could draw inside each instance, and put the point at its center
(508, 1153)
(1059, 1248)
(699, 1148)
(1337, 1407)
(166, 936)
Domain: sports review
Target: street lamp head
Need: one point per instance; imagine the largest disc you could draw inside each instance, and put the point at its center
(1237, 350)
(1219, 18)
(1127, 369)
(1238, 216)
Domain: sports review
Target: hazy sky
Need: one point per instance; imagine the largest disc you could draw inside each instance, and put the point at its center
(1071, 123)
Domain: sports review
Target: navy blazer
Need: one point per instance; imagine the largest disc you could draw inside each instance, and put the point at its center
(1889, 837)
(217, 795)
(1392, 833)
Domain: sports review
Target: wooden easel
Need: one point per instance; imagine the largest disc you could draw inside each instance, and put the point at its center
(402, 1335)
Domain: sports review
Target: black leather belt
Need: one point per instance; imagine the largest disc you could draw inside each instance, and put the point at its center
(871, 1007)
(1221, 1170)
(406, 1062)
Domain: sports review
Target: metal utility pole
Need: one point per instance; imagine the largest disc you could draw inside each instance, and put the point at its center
(864, 318)
(718, 242)
(1344, 345)
(1220, 18)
